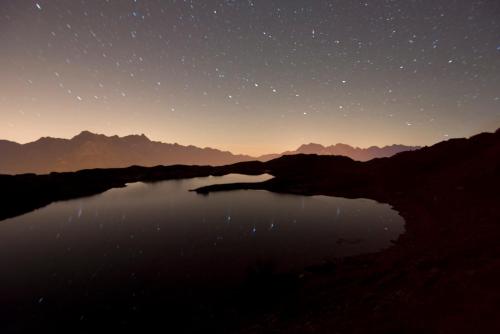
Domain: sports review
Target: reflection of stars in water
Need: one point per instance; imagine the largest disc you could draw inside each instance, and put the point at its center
(254, 230)
(219, 238)
(272, 226)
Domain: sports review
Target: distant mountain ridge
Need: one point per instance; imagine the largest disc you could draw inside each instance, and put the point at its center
(355, 153)
(89, 150)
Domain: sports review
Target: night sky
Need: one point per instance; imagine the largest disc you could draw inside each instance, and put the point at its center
(251, 76)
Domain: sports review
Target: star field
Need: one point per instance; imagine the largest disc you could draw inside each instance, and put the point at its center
(251, 76)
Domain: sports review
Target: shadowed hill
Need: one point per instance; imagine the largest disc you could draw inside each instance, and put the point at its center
(456, 163)
(441, 276)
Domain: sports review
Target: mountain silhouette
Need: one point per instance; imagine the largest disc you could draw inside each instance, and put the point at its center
(355, 153)
(443, 268)
(88, 150)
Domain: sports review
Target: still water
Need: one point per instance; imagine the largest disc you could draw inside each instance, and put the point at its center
(160, 240)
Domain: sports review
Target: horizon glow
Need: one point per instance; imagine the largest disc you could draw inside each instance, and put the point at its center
(251, 77)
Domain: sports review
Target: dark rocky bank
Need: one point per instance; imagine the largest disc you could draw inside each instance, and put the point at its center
(441, 276)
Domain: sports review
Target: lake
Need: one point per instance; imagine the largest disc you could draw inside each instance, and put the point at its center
(131, 250)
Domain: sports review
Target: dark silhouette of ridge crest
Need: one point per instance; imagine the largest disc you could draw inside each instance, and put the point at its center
(447, 193)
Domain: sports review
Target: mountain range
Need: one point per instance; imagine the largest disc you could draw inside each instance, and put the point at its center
(88, 150)
(444, 269)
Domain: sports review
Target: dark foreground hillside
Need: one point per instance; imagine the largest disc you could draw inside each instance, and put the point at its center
(441, 276)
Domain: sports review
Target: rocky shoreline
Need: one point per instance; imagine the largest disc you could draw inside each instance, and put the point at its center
(441, 276)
